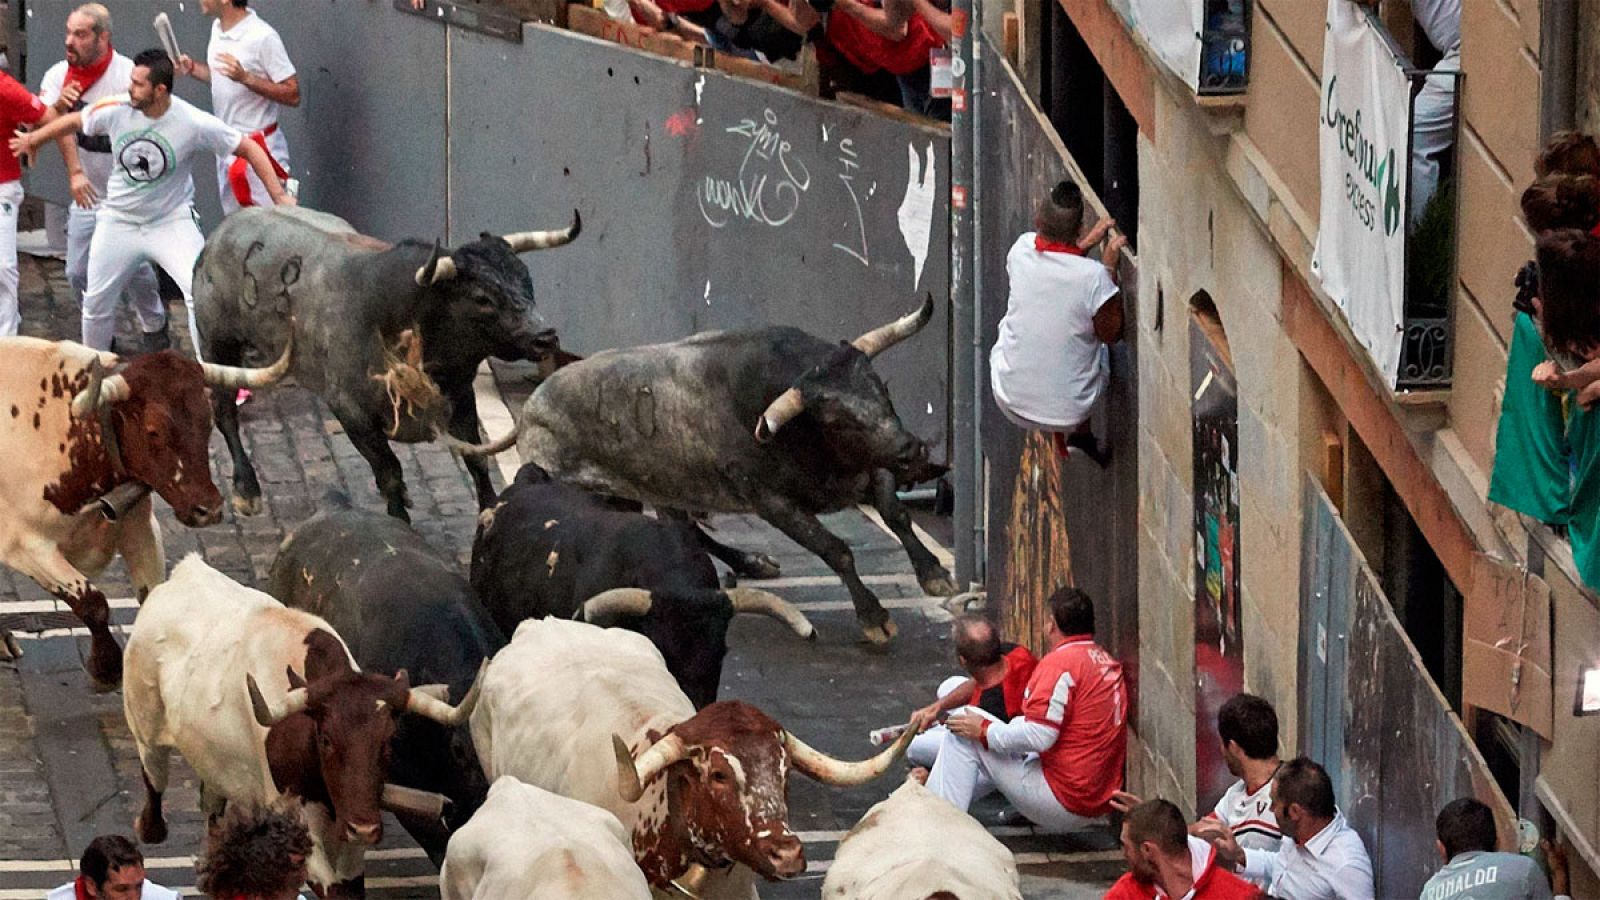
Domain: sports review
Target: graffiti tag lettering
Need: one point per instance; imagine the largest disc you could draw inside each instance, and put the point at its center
(848, 161)
(768, 186)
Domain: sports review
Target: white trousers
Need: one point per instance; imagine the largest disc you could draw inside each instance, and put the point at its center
(278, 147)
(117, 251)
(144, 291)
(965, 772)
(10, 203)
(1433, 130)
(924, 748)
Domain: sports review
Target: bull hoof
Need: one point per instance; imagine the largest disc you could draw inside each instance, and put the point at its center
(758, 566)
(938, 583)
(9, 648)
(880, 635)
(247, 506)
(150, 832)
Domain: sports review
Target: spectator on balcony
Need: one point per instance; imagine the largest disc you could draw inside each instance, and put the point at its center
(1320, 857)
(1562, 200)
(1472, 867)
(1433, 113)
(1050, 363)
(1567, 304)
(762, 30)
(897, 37)
(1568, 153)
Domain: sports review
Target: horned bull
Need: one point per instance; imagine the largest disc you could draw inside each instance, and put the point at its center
(772, 421)
(262, 700)
(391, 334)
(87, 438)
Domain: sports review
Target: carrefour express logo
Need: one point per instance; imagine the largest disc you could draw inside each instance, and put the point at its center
(1375, 169)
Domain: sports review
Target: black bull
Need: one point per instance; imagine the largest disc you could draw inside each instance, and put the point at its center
(398, 604)
(367, 316)
(772, 421)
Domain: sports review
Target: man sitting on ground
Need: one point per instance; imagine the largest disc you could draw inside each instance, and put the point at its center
(1060, 762)
(1165, 862)
(111, 868)
(1050, 363)
(1474, 871)
(1320, 857)
(997, 675)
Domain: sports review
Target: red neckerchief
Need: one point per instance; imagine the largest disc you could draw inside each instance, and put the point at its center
(1045, 245)
(79, 888)
(1595, 231)
(86, 76)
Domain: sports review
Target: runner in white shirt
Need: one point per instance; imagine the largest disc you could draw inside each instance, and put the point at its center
(1320, 857)
(92, 72)
(1050, 364)
(111, 868)
(251, 76)
(1247, 726)
(148, 211)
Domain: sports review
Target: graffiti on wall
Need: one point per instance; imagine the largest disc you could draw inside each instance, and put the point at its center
(767, 186)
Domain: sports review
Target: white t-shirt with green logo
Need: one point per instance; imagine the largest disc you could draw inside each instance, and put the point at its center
(152, 159)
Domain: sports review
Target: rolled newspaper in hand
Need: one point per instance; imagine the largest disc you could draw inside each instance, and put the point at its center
(169, 39)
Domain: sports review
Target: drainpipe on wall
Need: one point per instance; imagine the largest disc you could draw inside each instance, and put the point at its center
(964, 442)
(1558, 67)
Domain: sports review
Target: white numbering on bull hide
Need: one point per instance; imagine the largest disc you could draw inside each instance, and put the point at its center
(849, 164)
(768, 186)
(916, 210)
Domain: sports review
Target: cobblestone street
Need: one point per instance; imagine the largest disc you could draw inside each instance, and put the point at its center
(68, 770)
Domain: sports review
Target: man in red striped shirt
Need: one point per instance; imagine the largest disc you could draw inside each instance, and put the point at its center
(1060, 762)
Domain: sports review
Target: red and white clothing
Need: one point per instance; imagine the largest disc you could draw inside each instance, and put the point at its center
(109, 78)
(147, 215)
(871, 52)
(75, 890)
(1047, 368)
(1074, 717)
(1249, 816)
(1210, 881)
(17, 107)
(1002, 700)
(259, 49)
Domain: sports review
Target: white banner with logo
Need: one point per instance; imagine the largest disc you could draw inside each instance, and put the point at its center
(1363, 128)
(1172, 27)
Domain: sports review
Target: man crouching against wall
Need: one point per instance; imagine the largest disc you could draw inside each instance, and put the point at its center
(1050, 363)
(1060, 762)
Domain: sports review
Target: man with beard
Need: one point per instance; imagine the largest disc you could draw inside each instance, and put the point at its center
(148, 212)
(92, 72)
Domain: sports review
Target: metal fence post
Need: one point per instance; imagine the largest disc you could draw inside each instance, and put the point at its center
(964, 440)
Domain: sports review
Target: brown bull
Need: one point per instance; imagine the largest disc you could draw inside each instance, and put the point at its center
(86, 438)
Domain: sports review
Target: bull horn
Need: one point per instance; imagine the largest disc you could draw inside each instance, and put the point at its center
(237, 377)
(607, 606)
(633, 775)
(439, 267)
(788, 405)
(102, 390)
(754, 600)
(829, 770)
(424, 805)
(267, 715)
(523, 241)
(462, 448)
(422, 702)
(885, 336)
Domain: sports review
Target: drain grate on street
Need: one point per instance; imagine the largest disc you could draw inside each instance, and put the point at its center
(35, 622)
